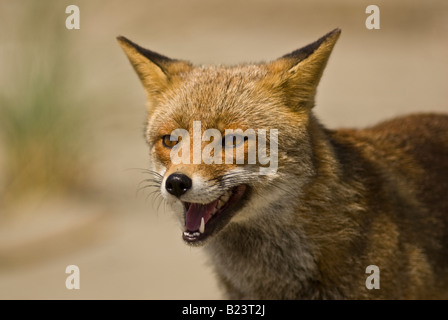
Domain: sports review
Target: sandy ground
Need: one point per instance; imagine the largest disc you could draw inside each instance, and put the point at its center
(126, 247)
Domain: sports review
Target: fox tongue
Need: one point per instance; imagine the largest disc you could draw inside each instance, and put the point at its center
(196, 212)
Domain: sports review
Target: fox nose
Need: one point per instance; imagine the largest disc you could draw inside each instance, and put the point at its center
(177, 184)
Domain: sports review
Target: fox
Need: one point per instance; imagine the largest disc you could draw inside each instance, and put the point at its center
(339, 202)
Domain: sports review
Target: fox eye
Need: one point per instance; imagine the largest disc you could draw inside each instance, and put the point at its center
(167, 142)
(233, 140)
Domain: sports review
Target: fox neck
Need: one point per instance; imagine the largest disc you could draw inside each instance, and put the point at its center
(286, 247)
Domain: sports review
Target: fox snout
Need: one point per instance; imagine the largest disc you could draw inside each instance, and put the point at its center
(208, 203)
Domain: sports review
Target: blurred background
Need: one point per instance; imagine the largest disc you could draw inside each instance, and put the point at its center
(72, 113)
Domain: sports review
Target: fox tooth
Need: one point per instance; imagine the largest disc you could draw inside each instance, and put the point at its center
(202, 227)
(220, 203)
(225, 197)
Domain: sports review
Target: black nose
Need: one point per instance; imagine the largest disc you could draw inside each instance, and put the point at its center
(177, 184)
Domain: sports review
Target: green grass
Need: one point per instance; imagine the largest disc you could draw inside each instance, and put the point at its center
(40, 123)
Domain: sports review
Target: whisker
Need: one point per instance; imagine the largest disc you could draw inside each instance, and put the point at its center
(289, 192)
(151, 182)
(146, 171)
(164, 206)
(225, 176)
(146, 187)
(157, 192)
(234, 178)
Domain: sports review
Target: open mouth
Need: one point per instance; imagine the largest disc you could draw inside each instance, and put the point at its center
(201, 220)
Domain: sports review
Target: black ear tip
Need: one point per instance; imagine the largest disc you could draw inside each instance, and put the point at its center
(336, 31)
(303, 53)
(333, 33)
(123, 39)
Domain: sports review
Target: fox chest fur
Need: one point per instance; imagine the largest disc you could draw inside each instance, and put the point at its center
(332, 203)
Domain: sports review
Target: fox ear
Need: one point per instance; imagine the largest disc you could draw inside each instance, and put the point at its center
(156, 72)
(301, 70)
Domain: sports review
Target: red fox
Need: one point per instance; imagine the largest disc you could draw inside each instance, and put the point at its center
(307, 212)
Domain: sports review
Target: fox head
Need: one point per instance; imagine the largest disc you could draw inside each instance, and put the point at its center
(219, 113)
